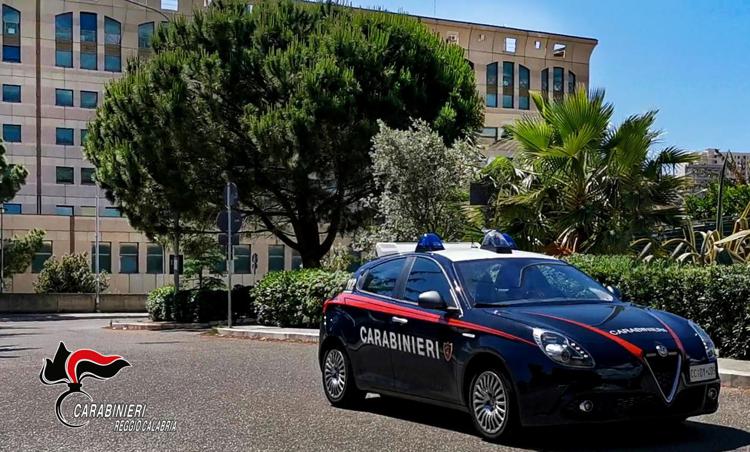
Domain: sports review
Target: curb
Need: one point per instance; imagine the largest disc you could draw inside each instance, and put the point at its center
(154, 326)
(267, 334)
(734, 379)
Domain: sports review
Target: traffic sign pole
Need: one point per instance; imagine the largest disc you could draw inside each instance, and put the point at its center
(229, 252)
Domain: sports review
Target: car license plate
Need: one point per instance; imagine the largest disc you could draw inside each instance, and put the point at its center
(703, 372)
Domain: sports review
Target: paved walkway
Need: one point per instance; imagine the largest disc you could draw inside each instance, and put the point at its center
(73, 316)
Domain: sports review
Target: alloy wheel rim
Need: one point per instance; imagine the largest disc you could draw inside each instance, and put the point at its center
(489, 402)
(335, 374)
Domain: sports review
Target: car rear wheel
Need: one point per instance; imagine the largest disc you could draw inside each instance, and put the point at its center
(491, 404)
(338, 379)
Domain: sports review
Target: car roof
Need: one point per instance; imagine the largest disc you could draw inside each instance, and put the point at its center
(458, 255)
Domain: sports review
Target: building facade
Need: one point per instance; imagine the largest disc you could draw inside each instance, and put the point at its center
(58, 55)
(707, 168)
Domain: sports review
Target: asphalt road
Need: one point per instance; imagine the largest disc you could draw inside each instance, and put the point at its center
(232, 394)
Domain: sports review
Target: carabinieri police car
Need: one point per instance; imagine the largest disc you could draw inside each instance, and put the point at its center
(511, 337)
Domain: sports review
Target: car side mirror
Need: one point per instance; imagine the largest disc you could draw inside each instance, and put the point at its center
(431, 300)
(615, 291)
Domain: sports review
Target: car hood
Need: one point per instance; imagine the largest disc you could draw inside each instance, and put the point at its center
(632, 328)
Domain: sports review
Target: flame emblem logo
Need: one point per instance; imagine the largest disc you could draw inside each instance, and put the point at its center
(72, 368)
(447, 350)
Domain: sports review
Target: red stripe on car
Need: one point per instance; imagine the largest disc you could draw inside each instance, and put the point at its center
(632, 348)
(417, 314)
(671, 332)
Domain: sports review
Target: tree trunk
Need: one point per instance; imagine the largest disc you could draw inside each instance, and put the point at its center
(176, 256)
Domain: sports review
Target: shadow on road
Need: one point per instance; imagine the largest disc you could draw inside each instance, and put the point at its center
(12, 349)
(691, 436)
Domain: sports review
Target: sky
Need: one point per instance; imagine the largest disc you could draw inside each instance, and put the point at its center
(688, 59)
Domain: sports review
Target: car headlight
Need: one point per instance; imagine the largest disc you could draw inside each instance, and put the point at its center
(708, 344)
(562, 350)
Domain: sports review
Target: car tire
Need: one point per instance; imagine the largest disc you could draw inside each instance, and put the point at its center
(491, 404)
(338, 379)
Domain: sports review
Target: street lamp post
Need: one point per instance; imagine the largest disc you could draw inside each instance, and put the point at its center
(96, 247)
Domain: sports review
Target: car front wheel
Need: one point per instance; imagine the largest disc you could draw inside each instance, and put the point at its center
(490, 404)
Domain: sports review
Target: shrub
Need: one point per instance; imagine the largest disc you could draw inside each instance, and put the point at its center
(714, 296)
(160, 303)
(295, 298)
(70, 274)
(198, 305)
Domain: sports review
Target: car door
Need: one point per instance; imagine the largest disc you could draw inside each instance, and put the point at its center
(377, 290)
(428, 371)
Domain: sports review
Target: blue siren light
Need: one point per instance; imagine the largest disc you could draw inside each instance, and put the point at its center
(498, 242)
(430, 242)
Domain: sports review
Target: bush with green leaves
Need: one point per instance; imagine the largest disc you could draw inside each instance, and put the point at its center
(71, 274)
(295, 298)
(198, 305)
(714, 296)
(160, 303)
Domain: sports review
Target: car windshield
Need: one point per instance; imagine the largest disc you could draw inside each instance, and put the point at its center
(513, 280)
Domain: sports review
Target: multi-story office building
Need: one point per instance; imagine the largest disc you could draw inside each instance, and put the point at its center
(58, 55)
(707, 167)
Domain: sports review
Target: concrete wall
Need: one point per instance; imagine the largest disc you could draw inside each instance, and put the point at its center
(70, 302)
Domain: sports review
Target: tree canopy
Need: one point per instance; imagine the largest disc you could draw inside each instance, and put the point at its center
(283, 100)
(583, 183)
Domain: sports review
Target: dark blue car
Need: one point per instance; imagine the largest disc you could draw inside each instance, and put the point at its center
(511, 337)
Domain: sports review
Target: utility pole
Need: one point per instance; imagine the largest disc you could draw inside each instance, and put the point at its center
(229, 254)
(96, 248)
(2, 249)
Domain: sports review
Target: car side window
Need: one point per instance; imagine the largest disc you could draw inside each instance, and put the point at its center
(383, 278)
(427, 275)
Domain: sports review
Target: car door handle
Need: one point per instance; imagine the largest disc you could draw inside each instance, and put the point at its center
(399, 320)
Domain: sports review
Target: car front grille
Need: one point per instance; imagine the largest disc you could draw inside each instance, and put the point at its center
(665, 371)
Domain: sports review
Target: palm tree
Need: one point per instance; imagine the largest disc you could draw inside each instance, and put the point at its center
(586, 185)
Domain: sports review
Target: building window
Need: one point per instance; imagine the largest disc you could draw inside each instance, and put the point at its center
(105, 257)
(87, 176)
(571, 82)
(537, 45)
(12, 133)
(112, 212)
(64, 211)
(510, 45)
(452, 37)
(241, 259)
(84, 136)
(492, 85)
(11, 35)
(154, 259)
(276, 258)
(40, 257)
(558, 50)
(112, 50)
(145, 35)
(12, 209)
(64, 40)
(524, 83)
(64, 97)
(508, 84)
(64, 175)
(545, 83)
(296, 260)
(64, 136)
(89, 41)
(87, 211)
(489, 132)
(171, 5)
(557, 83)
(89, 99)
(12, 93)
(128, 258)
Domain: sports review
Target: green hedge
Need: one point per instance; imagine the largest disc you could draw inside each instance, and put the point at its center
(295, 298)
(198, 305)
(715, 297)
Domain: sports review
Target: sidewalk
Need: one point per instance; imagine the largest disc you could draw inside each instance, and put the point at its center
(72, 316)
(734, 373)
